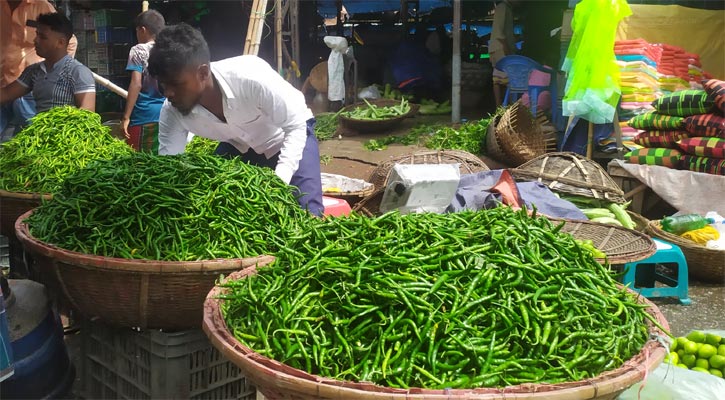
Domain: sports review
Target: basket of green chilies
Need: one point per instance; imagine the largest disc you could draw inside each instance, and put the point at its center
(435, 306)
(139, 240)
(375, 115)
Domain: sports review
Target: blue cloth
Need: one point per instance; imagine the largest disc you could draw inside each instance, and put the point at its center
(17, 115)
(414, 66)
(148, 104)
(474, 193)
(307, 179)
(576, 134)
(635, 57)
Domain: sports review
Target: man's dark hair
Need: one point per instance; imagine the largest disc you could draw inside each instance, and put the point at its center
(151, 20)
(177, 47)
(57, 22)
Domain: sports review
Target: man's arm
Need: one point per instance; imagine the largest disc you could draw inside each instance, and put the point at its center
(13, 91)
(86, 100)
(172, 134)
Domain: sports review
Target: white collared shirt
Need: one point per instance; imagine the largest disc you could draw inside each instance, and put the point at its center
(264, 112)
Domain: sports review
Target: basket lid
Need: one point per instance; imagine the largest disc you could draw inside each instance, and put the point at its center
(571, 173)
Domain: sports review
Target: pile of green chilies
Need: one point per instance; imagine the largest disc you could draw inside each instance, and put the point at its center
(463, 300)
(177, 208)
(57, 143)
(201, 145)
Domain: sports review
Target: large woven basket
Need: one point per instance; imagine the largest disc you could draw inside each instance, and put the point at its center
(279, 381)
(702, 263)
(130, 293)
(516, 137)
(571, 173)
(15, 204)
(621, 245)
(468, 164)
(366, 126)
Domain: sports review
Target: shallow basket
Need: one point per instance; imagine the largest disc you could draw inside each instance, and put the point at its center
(365, 126)
(702, 263)
(131, 293)
(352, 190)
(15, 204)
(279, 381)
(621, 245)
(571, 173)
(469, 164)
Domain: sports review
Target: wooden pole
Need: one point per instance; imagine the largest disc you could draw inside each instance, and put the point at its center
(256, 23)
(456, 64)
(278, 33)
(590, 141)
(110, 85)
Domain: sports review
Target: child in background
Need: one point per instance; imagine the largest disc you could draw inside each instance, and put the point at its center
(140, 120)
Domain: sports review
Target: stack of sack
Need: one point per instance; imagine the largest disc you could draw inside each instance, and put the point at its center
(638, 61)
(686, 130)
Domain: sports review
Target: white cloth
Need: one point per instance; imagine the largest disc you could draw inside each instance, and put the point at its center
(263, 112)
(687, 191)
(336, 68)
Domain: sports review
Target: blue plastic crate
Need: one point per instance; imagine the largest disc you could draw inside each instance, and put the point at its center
(112, 34)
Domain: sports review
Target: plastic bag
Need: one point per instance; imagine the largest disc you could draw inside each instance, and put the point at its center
(702, 235)
(371, 93)
(592, 88)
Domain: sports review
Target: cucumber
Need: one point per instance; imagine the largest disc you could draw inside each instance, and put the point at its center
(607, 220)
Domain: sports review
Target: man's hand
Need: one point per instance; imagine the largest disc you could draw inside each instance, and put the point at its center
(124, 127)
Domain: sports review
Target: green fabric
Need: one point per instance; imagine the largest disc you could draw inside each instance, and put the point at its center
(593, 88)
(703, 146)
(707, 165)
(664, 157)
(684, 103)
(653, 121)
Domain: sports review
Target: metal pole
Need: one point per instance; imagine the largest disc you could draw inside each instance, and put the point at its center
(456, 64)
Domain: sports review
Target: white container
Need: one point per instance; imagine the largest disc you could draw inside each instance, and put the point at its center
(420, 187)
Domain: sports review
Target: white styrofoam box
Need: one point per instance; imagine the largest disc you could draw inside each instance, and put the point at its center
(420, 187)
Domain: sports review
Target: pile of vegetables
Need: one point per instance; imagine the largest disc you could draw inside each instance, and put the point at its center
(326, 125)
(469, 137)
(201, 145)
(56, 144)
(178, 208)
(462, 300)
(699, 351)
(375, 113)
(431, 107)
(602, 211)
(393, 94)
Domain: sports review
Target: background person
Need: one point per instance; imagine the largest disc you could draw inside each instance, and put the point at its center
(58, 80)
(241, 102)
(140, 120)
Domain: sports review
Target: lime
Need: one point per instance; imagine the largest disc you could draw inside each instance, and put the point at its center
(712, 339)
(716, 372)
(690, 348)
(716, 361)
(673, 358)
(689, 360)
(702, 363)
(681, 352)
(674, 346)
(721, 350)
(682, 366)
(681, 341)
(696, 336)
(701, 370)
(706, 351)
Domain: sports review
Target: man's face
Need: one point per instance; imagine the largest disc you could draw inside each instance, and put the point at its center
(48, 42)
(184, 89)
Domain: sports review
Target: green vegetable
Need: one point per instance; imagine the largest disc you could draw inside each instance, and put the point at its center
(201, 145)
(178, 208)
(373, 112)
(592, 213)
(607, 220)
(326, 125)
(56, 144)
(469, 299)
(620, 212)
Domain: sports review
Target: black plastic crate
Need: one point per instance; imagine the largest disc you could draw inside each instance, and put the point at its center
(122, 363)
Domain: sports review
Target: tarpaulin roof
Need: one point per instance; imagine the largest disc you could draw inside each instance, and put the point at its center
(328, 9)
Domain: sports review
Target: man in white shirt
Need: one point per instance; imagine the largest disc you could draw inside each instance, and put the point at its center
(241, 102)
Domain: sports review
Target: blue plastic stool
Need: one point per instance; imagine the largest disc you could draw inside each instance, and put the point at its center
(642, 275)
(518, 70)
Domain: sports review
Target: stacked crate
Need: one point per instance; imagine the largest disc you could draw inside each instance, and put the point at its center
(113, 38)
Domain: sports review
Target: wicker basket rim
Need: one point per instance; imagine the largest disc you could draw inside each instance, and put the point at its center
(630, 372)
(128, 265)
(25, 195)
(613, 229)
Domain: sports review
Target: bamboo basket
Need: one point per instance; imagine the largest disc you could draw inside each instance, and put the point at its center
(365, 126)
(571, 173)
(516, 137)
(352, 190)
(130, 293)
(640, 221)
(15, 204)
(279, 381)
(621, 245)
(468, 164)
(705, 264)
